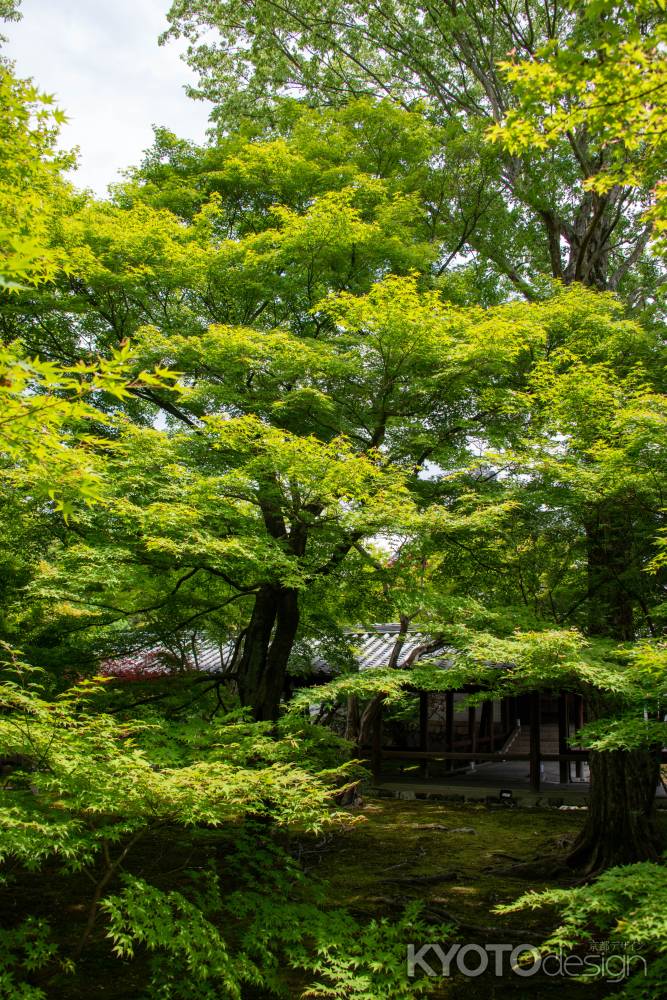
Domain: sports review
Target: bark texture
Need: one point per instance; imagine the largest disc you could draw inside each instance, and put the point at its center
(620, 827)
(267, 646)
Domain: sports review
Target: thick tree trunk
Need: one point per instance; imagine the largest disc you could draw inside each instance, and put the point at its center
(353, 719)
(369, 717)
(620, 827)
(266, 650)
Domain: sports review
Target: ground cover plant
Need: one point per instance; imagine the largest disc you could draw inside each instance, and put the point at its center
(388, 346)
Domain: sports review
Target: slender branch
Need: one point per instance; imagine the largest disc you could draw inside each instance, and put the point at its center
(632, 258)
(209, 611)
(110, 871)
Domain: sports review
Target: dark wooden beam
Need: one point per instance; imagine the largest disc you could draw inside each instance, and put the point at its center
(449, 723)
(423, 728)
(376, 753)
(472, 728)
(564, 769)
(504, 715)
(535, 740)
(579, 721)
(573, 755)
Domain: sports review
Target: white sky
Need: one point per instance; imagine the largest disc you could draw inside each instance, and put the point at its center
(102, 61)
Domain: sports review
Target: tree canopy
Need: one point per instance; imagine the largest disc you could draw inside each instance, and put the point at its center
(450, 59)
(390, 345)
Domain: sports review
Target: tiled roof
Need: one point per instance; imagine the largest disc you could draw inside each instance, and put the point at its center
(373, 647)
(158, 662)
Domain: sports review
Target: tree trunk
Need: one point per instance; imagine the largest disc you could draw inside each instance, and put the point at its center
(266, 650)
(609, 557)
(620, 827)
(369, 717)
(353, 719)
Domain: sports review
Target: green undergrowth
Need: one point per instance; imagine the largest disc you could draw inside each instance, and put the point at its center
(459, 861)
(403, 847)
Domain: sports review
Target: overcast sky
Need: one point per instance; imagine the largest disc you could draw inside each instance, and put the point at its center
(102, 60)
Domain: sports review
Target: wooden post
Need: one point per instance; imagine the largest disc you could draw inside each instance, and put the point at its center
(423, 729)
(504, 718)
(376, 747)
(449, 725)
(486, 722)
(563, 765)
(579, 715)
(535, 740)
(472, 731)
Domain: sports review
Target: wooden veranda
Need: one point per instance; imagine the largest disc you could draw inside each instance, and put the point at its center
(533, 728)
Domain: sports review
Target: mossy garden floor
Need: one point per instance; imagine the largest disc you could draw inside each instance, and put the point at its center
(398, 852)
(460, 861)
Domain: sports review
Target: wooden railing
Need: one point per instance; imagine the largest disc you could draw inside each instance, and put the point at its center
(376, 755)
(499, 756)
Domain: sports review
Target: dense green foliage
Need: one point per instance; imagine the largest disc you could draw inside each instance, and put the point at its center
(389, 347)
(88, 788)
(31, 185)
(612, 86)
(628, 906)
(529, 211)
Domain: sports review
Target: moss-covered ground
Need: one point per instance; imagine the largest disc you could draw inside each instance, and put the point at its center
(460, 861)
